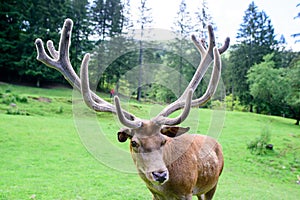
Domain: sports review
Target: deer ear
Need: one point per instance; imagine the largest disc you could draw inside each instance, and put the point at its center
(173, 131)
(124, 134)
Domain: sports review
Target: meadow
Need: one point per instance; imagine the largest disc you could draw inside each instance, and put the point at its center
(43, 157)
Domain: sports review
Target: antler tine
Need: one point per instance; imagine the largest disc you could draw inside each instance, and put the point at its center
(207, 55)
(225, 46)
(128, 123)
(175, 121)
(213, 83)
(86, 92)
(59, 60)
(200, 45)
(52, 50)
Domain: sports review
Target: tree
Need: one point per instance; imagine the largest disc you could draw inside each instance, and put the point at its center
(39, 19)
(30, 19)
(144, 20)
(108, 18)
(79, 12)
(293, 96)
(10, 21)
(183, 23)
(268, 87)
(203, 19)
(183, 27)
(256, 39)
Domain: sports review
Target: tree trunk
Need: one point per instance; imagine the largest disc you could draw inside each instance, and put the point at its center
(251, 108)
(140, 80)
(38, 84)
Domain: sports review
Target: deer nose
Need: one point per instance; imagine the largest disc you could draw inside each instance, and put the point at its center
(160, 176)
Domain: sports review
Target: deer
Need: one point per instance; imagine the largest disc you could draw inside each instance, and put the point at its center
(174, 164)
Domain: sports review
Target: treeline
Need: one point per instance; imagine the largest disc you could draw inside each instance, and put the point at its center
(21, 22)
(259, 73)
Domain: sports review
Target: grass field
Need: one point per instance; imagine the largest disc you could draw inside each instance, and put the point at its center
(42, 156)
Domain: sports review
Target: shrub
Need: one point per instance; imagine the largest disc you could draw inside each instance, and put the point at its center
(21, 99)
(9, 98)
(15, 111)
(258, 145)
(234, 104)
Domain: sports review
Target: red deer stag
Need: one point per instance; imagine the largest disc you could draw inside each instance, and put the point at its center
(173, 165)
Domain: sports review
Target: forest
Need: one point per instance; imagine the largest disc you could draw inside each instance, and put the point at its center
(259, 73)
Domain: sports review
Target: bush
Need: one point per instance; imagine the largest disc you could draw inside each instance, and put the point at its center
(15, 111)
(234, 104)
(9, 98)
(258, 145)
(21, 99)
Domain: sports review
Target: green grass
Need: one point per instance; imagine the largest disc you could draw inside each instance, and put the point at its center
(42, 156)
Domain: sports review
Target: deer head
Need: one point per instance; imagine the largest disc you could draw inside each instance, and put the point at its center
(147, 137)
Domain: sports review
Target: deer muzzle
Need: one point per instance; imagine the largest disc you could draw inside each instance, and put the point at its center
(160, 177)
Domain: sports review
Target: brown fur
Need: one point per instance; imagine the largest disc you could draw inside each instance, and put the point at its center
(194, 162)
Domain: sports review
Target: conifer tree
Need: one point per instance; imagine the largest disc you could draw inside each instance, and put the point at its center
(144, 20)
(39, 19)
(256, 39)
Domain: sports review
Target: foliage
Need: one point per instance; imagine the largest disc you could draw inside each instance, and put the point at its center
(9, 37)
(107, 18)
(293, 96)
(256, 39)
(78, 11)
(203, 19)
(183, 21)
(23, 29)
(233, 104)
(258, 145)
(267, 86)
(23, 21)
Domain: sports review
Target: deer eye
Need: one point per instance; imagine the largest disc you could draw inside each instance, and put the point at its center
(134, 144)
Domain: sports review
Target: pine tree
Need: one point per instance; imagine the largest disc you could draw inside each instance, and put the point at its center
(183, 27)
(108, 18)
(78, 11)
(203, 19)
(144, 20)
(256, 39)
(39, 19)
(183, 23)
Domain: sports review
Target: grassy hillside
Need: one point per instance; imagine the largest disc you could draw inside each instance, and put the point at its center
(43, 157)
